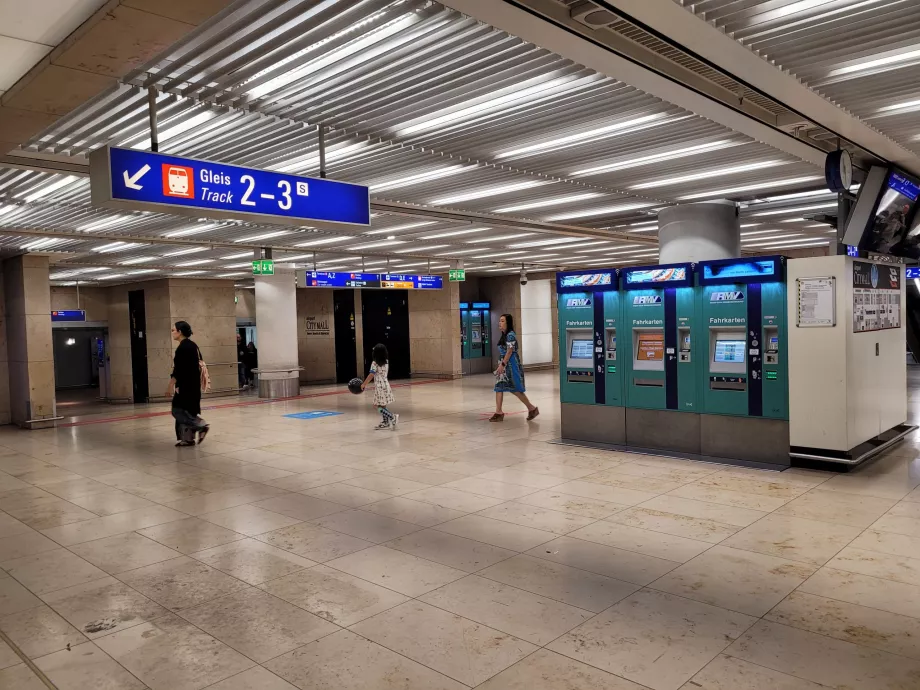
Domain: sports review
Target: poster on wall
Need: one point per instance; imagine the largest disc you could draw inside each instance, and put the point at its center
(876, 297)
(817, 302)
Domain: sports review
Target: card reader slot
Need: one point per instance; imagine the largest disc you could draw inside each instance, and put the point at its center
(651, 383)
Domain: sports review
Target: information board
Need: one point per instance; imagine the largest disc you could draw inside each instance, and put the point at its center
(876, 297)
(387, 281)
(145, 181)
(816, 302)
(69, 315)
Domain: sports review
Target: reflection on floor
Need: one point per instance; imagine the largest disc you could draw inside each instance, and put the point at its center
(319, 553)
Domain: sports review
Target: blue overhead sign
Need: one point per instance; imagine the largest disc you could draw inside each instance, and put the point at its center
(140, 180)
(69, 315)
(373, 280)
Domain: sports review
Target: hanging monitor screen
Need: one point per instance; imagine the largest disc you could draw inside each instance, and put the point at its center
(650, 347)
(729, 351)
(581, 349)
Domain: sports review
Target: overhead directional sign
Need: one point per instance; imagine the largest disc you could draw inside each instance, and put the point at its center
(144, 181)
(388, 281)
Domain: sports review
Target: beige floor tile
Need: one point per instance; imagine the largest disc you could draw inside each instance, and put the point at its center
(725, 514)
(250, 520)
(454, 499)
(424, 475)
(898, 524)
(10, 526)
(682, 473)
(619, 564)
(52, 570)
(256, 678)
(615, 478)
(728, 673)
(675, 524)
(272, 626)
(292, 464)
(545, 670)
(861, 625)
(761, 484)
(123, 552)
(180, 583)
(738, 499)
(491, 488)
(212, 481)
(553, 521)
(317, 477)
(824, 660)
(171, 654)
(450, 550)
(654, 638)
(552, 469)
(39, 631)
(74, 487)
(798, 539)
(190, 535)
(344, 661)
(334, 595)
(111, 525)
(428, 635)
(346, 494)
(299, 506)
(24, 544)
(531, 617)
(252, 561)
(401, 572)
(87, 666)
(388, 485)
(579, 588)
(8, 657)
(454, 466)
(744, 581)
(314, 542)
(209, 503)
(47, 514)
(657, 544)
(530, 479)
(865, 590)
(14, 597)
(567, 503)
(111, 502)
(888, 542)
(416, 512)
(894, 488)
(102, 607)
(19, 677)
(496, 532)
(366, 525)
(827, 506)
(603, 492)
(882, 565)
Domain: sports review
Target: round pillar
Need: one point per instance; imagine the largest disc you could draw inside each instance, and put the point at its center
(689, 233)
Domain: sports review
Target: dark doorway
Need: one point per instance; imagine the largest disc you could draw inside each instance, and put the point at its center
(137, 315)
(343, 319)
(75, 362)
(386, 320)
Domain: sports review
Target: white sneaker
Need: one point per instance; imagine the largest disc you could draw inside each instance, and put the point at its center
(395, 422)
(382, 425)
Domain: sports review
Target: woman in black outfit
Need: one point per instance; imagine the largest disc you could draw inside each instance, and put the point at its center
(250, 361)
(185, 387)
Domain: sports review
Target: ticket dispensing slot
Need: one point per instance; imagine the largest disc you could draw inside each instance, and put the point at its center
(648, 355)
(727, 360)
(771, 345)
(611, 335)
(683, 342)
(579, 365)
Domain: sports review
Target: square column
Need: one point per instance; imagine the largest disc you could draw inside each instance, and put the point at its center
(27, 297)
(276, 316)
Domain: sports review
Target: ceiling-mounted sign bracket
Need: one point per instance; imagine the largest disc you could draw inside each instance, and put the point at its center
(131, 180)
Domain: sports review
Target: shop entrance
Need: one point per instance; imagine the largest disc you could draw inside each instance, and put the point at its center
(386, 320)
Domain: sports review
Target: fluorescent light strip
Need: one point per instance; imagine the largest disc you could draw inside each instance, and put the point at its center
(241, 255)
(190, 250)
(891, 59)
(492, 256)
(550, 202)
(41, 244)
(189, 273)
(118, 247)
(229, 275)
(420, 249)
(397, 228)
(615, 129)
(706, 174)
(599, 211)
(792, 244)
(325, 240)
(750, 187)
(796, 195)
(490, 191)
(263, 236)
(547, 243)
(50, 189)
(797, 209)
(99, 225)
(453, 233)
(194, 230)
(373, 245)
(420, 178)
(464, 251)
(197, 262)
(657, 157)
(141, 260)
(499, 238)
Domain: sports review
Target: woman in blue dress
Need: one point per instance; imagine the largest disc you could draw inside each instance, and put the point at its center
(509, 376)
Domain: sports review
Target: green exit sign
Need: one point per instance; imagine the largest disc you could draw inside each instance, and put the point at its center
(456, 275)
(265, 267)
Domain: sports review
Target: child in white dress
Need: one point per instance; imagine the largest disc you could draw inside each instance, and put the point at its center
(383, 394)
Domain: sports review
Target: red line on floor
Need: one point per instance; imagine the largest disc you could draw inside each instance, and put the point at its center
(248, 403)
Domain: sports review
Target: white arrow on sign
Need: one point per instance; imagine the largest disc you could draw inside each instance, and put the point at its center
(131, 182)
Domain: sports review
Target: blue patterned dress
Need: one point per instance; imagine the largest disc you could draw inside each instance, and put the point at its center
(514, 372)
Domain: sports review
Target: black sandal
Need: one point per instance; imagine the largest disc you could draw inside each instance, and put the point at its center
(497, 417)
(180, 444)
(202, 434)
(533, 413)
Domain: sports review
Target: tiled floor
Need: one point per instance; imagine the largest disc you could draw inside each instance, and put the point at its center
(453, 553)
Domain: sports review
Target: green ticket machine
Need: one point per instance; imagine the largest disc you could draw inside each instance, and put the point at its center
(744, 384)
(475, 343)
(660, 332)
(590, 370)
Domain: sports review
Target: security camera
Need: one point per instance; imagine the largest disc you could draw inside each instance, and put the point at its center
(523, 277)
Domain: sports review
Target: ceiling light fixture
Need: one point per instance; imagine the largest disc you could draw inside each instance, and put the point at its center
(452, 233)
(50, 189)
(190, 250)
(419, 178)
(797, 209)
(194, 230)
(890, 59)
(263, 236)
(490, 191)
(324, 240)
(657, 157)
(558, 201)
(706, 174)
(606, 210)
(397, 228)
(499, 238)
(139, 260)
(750, 188)
(197, 262)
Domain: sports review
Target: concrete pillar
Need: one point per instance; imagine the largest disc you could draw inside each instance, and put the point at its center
(434, 332)
(699, 232)
(27, 297)
(276, 316)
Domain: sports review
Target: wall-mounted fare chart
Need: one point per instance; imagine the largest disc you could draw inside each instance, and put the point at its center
(145, 181)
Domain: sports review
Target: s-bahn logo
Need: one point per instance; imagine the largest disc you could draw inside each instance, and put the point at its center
(578, 302)
(731, 296)
(645, 300)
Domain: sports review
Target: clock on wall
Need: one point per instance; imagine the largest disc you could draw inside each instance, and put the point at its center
(838, 170)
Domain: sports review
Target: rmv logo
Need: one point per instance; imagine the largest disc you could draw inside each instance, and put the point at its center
(579, 302)
(733, 296)
(640, 300)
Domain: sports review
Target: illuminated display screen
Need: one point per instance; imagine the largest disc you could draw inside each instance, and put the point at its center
(650, 347)
(743, 269)
(581, 349)
(912, 272)
(729, 351)
(656, 275)
(585, 280)
(373, 280)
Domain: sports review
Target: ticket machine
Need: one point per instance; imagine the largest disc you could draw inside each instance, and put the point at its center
(475, 343)
(591, 375)
(743, 308)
